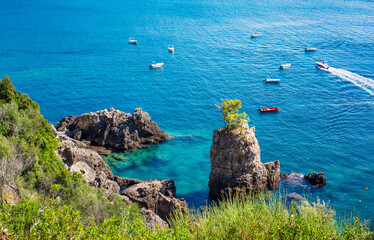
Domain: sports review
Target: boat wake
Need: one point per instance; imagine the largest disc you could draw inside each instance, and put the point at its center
(365, 83)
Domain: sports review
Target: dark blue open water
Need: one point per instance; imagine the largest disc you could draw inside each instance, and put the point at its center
(73, 57)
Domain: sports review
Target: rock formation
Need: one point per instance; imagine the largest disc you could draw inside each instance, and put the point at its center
(316, 179)
(157, 196)
(113, 129)
(236, 164)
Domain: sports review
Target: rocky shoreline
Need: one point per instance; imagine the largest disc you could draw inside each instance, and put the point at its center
(235, 160)
(81, 136)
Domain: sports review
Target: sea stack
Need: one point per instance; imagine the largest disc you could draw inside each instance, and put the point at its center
(113, 129)
(236, 164)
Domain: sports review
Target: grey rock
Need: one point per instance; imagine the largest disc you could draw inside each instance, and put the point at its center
(295, 197)
(114, 129)
(110, 187)
(236, 164)
(125, 182)
(81, 167)
(157, 196)
(152, 220)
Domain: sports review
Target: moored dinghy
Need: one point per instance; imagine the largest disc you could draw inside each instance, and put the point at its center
(285, 66)
(310, 49)
(272, 80)
(156, 65)
(133, 41)
(171, 48)
(271, 109)
(255, 35)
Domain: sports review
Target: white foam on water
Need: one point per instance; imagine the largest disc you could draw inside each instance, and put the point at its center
(365, 83)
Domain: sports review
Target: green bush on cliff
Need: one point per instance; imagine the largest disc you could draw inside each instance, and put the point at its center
(230, 110)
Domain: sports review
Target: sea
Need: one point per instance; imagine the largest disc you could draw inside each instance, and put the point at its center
(73, 57)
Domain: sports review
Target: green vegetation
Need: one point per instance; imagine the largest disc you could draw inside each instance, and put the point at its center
(51, 203)
(230, 110)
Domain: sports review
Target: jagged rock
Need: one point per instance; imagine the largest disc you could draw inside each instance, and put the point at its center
(77, 134)
(81, 167)
(125, 182)
(153, 221)
(10, 195)
(236, 164)
(114, 129)
(72, 151)
(157, 196)
(110, 187)
(316, 179)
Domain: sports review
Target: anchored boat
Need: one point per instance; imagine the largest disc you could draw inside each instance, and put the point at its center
(133, 41)
(272, 109)
(255, 35)
(285, 66)
(310, 49)
(171, 48)
(272, 80)
(156, 65)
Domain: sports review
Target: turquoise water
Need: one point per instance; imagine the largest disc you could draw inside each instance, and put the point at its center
(73, 57)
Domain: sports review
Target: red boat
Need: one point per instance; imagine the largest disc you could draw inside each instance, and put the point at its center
(272, 109)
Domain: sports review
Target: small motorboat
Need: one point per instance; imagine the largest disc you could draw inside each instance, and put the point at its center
(285, 66)
(171, 48)
(255, 35)
(272, 109)
(133, 41)
(272, 80)
(322, 65)
(156, 65)
(311, 49)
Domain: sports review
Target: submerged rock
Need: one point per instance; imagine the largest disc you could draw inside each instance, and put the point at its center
(295, 197)
(236, 164)
(316, 179)
(114, 129)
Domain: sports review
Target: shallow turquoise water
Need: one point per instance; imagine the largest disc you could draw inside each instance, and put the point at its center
(73, 57)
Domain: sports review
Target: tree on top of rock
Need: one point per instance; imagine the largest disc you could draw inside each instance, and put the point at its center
(230, 109)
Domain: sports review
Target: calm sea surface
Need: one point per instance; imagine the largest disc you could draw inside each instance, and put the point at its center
(73, 57)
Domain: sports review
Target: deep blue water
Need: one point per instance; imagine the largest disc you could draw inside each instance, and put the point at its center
(73, 57)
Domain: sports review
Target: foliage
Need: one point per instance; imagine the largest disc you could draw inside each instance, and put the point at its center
(265, 216)
(230, 110)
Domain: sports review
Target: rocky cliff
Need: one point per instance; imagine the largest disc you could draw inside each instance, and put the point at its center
(114, 129)
(236, 164)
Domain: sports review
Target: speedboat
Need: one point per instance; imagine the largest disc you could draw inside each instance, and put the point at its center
(272, 80)
(271, 109)
(310, 49)
(285, 66)
(133, 41)
(171, 48)
(255, 35)
(156, 65)
(322, 65)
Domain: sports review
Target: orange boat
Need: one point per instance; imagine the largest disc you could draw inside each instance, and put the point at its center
(272, 109)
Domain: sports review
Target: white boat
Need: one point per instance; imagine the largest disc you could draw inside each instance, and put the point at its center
(310, 49)
(255, 35)
(171, 48)
(156, 65)
(322, 65)
(272, 80)
(285, 66)
(133, 41)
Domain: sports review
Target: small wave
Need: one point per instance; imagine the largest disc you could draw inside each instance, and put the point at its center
(365, 83)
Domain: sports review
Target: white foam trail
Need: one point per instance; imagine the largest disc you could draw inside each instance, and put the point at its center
(365, 83)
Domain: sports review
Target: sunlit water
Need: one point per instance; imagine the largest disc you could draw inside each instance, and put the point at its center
(73, 57)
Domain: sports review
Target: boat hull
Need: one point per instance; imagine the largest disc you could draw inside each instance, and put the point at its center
(269, 80)
(156, 65)
(272, 109)
(322, 65)
(133, 42)
(284, 66)
(310, 49)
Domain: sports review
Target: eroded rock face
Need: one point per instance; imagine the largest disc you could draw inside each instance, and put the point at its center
(157, 196)
(316, 179)
(113, 129)
(153, 221)
(236, 164)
